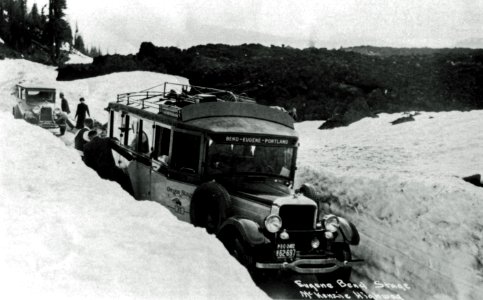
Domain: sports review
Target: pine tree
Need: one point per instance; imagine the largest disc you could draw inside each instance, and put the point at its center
(19, 26)
(22, 4)
(35, 23)
(59, 29)
(15, 20)
(3, 20)
(79, 41)
(44, 25)
(93, 52)
(79, 44)
(76, 31)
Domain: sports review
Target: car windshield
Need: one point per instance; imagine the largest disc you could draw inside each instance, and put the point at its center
(228, 159)
(40, 96)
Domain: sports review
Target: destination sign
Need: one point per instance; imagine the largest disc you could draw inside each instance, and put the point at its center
(258, 140)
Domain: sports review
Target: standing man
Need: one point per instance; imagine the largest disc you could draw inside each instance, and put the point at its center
(293, 113)
(64, 104)
(80, 114)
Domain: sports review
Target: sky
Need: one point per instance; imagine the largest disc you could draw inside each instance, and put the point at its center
(119, 26)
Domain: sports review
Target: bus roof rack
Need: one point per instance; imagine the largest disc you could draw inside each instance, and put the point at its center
(175, 96)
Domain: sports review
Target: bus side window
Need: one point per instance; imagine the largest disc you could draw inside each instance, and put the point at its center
(132, 131)
(162, 144)
(145, 130)
(185, 155)
(116, 125)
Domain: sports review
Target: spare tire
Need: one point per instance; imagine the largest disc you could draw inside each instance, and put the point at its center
(16, 113)
(210, 206)
(309, 191)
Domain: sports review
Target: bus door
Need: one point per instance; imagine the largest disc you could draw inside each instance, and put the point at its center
(159, 165)
(140, 135)
(180, 169)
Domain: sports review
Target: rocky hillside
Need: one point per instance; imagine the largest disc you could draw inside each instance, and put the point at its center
(341, 85)
(35, 52)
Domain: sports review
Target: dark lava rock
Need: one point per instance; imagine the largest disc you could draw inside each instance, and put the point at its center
(403, 120)
(356, 111)
(474, 179)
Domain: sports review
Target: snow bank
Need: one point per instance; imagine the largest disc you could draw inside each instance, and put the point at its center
(420, 223)
(76, 57)
(13, 71)
(67, 234)
(97, 91)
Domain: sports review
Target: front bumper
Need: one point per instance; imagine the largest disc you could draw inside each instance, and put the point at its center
(311, 265)
(55, 131)
(52, 127)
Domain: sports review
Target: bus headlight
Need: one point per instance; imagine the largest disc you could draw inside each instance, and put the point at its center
(331, 223)
(273, 223)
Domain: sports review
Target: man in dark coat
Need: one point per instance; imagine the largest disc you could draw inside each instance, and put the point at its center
(62, 120)
(81, 137)
(80, 114)
(64, 104)
(293, 113)
(98, 156)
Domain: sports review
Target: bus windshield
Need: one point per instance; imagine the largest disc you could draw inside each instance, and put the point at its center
(228, 159)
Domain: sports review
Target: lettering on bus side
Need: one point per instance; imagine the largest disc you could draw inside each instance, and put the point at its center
(255, 140)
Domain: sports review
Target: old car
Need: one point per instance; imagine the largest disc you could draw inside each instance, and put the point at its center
(36, 104)
(223, 162)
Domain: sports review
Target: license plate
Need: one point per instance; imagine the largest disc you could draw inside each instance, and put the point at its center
(285, 251)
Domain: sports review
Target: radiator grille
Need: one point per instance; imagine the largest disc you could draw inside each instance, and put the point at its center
(297, 217)
(46, 114)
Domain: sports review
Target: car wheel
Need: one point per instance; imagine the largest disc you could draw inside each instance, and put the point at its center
(241, 252)
(209, 206)
(16, 113)
(239, 249)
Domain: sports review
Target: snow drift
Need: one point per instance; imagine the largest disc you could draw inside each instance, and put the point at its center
(76, 57)
(66, 233)
(420, 223)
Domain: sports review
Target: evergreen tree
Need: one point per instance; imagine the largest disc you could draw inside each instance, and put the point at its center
(22, 4)
(79, 41)
(11, 21)
(15, 20)
(3, 21)
(24, 38)
(79, 44)
(76, 31)
(44, 24)
(29, 31)
(94, 52)
(35, 23)
(59, 29)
